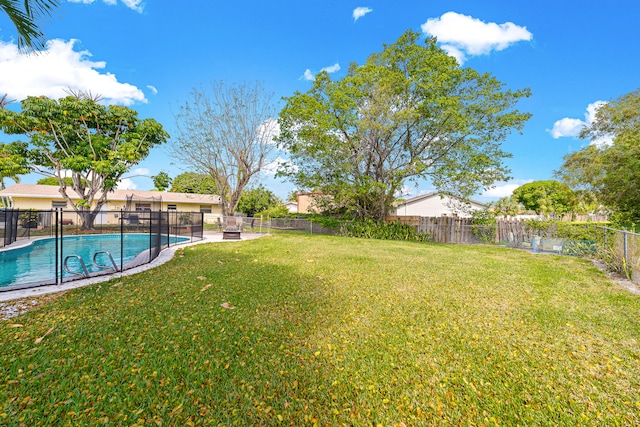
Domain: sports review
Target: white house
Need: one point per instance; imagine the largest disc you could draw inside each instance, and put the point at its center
(436, 204)
(292, 207)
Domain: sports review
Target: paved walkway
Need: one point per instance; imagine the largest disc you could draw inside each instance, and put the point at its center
(164, 256)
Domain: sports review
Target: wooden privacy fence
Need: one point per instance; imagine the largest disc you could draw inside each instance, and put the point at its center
(447, 229)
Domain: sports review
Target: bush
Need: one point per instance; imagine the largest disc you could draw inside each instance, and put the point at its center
(483, 225)
(580, 231)
(279, 211)
(370, 229)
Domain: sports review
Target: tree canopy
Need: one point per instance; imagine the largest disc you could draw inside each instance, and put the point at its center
(13, 161)
(409, 112)
(507, 206)
(194, 183)
(162, 181)
(546, 197)
(611, 172)
(257, 199)
(226, 133)
(92, 143)
(53, 181)
(25, 14)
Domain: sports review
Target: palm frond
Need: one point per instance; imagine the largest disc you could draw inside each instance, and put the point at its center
(25, 18)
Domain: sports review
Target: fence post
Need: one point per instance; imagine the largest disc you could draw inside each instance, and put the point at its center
(121, 239)
(61, 246)
(57, 253)
(626, 261)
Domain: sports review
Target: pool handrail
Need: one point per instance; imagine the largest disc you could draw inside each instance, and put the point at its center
(85, 272)
(95, 261)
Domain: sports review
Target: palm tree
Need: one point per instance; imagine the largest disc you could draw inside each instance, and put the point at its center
(24, 14)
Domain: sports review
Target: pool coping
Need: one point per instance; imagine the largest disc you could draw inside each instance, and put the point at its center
(164, 256)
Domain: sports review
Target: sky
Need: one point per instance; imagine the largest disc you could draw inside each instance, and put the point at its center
(150, 55)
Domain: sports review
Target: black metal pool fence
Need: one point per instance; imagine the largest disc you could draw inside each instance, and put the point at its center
(19, 228)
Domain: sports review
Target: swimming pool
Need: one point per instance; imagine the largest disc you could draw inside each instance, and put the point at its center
(35, 263)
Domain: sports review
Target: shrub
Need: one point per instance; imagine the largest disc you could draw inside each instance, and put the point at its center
(370, 229)
(279, 211)
(483, 225)
(580, 231)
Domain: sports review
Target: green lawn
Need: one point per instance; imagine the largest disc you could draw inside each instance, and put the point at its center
(331, 331)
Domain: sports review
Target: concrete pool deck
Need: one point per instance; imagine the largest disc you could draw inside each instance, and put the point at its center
(165, 255)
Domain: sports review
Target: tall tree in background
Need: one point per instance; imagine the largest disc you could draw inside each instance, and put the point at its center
(162, 181)
(226, 133)
(95, 144)
(546, 197)
(506, 206)
(410, 112)
(611, 171)
(194, 183)
(13, 161)
(25, 15)
(256, 200)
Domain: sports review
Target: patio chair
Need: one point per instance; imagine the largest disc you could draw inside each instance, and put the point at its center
(233, 229)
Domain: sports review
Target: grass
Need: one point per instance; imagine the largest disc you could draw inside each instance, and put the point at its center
(331, 331)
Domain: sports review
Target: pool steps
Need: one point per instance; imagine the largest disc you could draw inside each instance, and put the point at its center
(85, 272)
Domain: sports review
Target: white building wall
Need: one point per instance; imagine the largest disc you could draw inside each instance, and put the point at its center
(433, 206)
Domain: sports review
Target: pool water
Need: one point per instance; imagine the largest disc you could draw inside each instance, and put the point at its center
(36, 262)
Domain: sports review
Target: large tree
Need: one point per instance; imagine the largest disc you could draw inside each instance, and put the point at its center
(13, 161)
(549, 198)
(256, 200)
(92, 143)
(227, 133)
(611, 171)
(194, 183)
(409, 112)
(25, 15)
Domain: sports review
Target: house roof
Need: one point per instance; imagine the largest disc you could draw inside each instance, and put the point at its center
(436, 194)
(36, 191)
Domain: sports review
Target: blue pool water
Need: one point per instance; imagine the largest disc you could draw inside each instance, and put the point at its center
(36, 262)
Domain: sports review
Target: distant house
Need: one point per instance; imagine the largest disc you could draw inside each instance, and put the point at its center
(309, 203)
(45, 197)
(435, 204)
(292, 207)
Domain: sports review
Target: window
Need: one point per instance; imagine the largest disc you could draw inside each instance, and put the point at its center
(205, 209)
(143, 206)
(58, 205)
(172, 207)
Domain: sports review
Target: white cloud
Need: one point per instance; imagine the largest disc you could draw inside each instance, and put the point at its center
(592, 109)
(153, 89)
(359, 12)
(505, 189)
(455, 52)
(332, 68)
(141, 171)
(136, 5)
(126, 184)
(271, 168)
(464, 35)
(57, 69)
(568, 127)
(309, 76)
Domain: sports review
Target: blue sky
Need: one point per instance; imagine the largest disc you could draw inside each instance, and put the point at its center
(150, 54)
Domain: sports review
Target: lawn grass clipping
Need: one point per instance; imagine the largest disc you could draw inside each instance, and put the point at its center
(303, 330)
